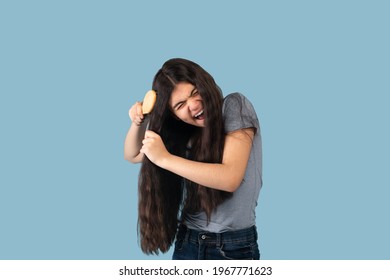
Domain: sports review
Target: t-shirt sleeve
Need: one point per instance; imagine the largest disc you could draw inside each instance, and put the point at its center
(238, 113)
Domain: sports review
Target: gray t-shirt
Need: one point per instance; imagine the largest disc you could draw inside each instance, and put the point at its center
(238, 212)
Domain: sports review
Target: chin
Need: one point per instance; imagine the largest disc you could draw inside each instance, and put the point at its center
(202, 124)
(196, 123)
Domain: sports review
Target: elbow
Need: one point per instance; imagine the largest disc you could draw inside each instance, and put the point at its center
(231, 181)
(127, 156)
(232, 185)
(131, 159)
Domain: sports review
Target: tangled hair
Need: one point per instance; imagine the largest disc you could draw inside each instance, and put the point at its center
(161, 193)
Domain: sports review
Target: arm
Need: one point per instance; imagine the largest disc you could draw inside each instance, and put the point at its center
(225, 176)
(135, 135)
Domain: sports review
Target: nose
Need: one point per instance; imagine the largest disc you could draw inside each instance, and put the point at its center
(193, 104)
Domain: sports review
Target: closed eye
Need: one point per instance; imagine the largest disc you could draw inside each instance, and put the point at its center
(194, 92)
(179, 105)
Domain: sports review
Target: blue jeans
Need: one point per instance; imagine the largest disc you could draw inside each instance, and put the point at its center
(202, 245)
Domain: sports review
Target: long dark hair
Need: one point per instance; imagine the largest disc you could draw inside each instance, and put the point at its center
(160, 191)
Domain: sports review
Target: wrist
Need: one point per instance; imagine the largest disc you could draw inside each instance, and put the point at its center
(139, 125)
(165, 161)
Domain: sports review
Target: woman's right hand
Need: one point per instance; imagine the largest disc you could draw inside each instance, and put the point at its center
(136, 115)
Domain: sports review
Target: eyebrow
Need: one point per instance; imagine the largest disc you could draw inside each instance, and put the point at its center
(182, 101)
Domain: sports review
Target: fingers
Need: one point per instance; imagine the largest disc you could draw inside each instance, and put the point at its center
(147, 143)
(139, 110)
(153, 147)
(136, 114)
(151, 139)
(151, 134)
(147, 140)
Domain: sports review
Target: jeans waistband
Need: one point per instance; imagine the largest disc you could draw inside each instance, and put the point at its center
(237, 236)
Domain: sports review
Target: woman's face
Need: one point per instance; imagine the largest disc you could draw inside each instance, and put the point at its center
(187, 104)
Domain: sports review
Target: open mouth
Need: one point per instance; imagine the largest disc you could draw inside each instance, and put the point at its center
(199, 116)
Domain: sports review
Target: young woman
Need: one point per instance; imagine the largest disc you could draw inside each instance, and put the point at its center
(201, 168)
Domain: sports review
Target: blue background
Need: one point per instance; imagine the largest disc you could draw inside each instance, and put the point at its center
(317, 73)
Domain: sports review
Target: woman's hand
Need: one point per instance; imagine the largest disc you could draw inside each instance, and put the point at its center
(135, 114)
(154, 148)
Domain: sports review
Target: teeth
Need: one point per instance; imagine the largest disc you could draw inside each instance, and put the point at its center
(198, 114)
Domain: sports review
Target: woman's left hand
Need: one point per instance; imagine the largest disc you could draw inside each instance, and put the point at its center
(154, 148)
